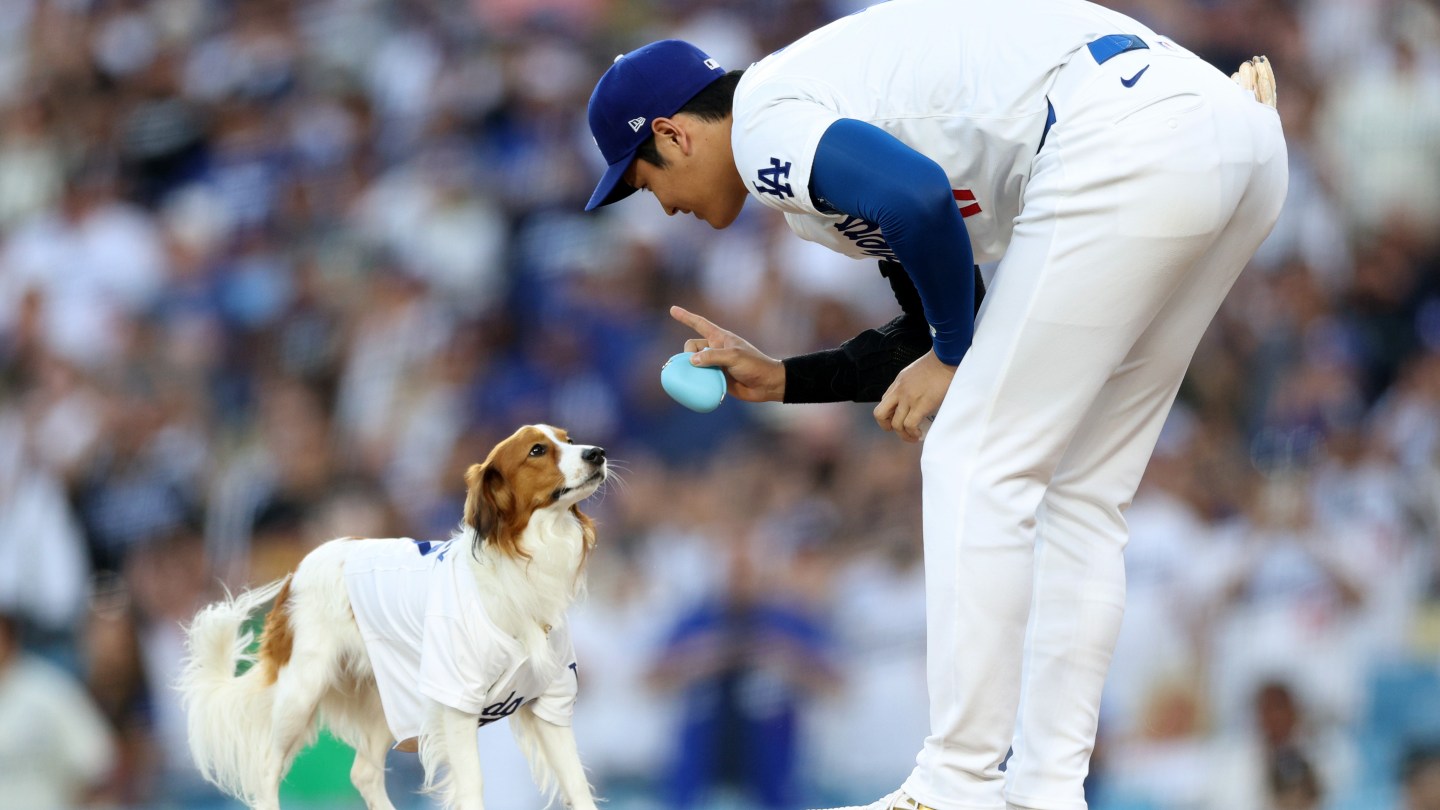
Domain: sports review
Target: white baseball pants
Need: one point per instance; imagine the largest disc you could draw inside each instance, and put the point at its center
(1144, 204)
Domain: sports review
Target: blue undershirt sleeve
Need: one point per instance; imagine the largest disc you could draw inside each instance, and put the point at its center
(863, 171)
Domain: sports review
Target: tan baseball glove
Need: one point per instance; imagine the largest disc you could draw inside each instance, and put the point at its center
(1256, 76)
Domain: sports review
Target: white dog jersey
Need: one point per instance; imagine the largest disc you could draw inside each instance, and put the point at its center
(426, 631)
(963, 82)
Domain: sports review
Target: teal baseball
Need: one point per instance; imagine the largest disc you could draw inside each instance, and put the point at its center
(698, 388)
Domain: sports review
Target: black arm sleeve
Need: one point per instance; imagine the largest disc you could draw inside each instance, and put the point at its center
(862, 368)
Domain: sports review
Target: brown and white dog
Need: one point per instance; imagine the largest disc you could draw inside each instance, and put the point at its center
(522, 545)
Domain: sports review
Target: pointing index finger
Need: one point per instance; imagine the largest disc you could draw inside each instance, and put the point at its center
(706, 329)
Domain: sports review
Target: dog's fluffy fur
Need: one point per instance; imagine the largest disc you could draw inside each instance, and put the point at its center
(529, 542)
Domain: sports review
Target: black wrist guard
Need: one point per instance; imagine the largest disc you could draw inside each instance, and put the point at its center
(824, 376)
(863, 367)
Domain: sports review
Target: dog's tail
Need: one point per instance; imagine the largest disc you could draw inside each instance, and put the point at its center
(228, 715)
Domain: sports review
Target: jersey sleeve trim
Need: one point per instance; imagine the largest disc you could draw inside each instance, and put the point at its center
(861, 170)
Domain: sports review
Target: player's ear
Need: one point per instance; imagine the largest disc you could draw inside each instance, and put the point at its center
(670, 133)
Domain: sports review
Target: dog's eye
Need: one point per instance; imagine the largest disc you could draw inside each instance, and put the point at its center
(537, 450)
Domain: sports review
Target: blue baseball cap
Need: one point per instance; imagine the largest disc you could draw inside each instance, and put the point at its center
(648, 83)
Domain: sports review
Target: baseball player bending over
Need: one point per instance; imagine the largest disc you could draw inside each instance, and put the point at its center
(1121, 183)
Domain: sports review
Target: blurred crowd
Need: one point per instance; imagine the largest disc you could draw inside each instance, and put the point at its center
(275, 271)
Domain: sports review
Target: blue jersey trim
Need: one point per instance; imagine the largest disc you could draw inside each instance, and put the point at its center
(1106, 48)
(1049, 122)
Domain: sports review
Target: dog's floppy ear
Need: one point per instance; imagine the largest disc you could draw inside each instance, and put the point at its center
(481, 512)
(490, 507)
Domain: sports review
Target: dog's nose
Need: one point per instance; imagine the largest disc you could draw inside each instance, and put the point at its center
(594, 455)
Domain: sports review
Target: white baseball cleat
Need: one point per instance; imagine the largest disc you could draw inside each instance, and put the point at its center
(899, 800)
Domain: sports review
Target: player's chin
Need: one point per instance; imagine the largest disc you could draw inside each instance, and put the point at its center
(722, 219)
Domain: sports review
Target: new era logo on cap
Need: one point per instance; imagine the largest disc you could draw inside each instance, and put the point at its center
(648, 83)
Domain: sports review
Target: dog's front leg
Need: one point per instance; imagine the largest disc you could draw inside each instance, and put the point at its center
(557, 746)
(463, 752)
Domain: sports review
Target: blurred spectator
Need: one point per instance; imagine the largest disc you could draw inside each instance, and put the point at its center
(1289, 597)
(141, 484)
(745, 661)
(55, 748)
(31, 171)
(878, 610)
(44, 566)
(1409, 421)
(161, 141)
(1421, 779)
(95, 261)
(1285, 760)
(272, 485)
(168, 581)
(1167, 759)
(1382, 134)
(115, 675)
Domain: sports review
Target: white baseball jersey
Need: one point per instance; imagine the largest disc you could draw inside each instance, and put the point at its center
(419, 611)
(960, 81)
(1116, 244)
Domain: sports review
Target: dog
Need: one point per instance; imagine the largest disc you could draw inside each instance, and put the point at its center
(416, 643)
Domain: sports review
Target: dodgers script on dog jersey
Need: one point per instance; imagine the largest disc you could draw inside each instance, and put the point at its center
(961, 81)
(427, 634)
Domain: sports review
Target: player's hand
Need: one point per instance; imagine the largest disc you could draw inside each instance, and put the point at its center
(750, 374)
(916, 394)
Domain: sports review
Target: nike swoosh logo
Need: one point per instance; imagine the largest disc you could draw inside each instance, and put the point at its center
(1130, 82)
